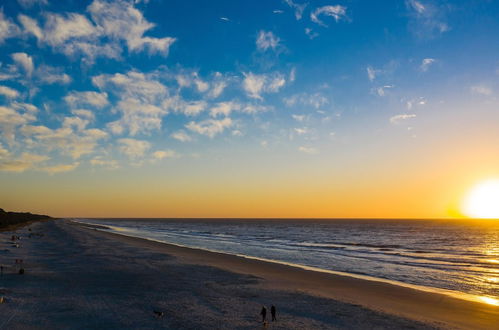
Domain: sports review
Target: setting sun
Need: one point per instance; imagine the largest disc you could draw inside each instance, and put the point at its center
(483, 200)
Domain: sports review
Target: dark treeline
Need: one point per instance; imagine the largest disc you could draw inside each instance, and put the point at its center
(17, 218)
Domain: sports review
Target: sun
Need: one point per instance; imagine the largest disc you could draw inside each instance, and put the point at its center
(483, 200)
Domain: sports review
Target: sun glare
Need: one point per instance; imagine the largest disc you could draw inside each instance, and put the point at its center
(483, 201)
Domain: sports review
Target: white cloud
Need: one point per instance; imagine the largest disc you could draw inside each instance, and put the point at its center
(7, 28)
(76, 122)
(308, 150)
(24, 107)
(298, 118)
(133, 84)
(139, 117)
(371, 73)
(141, 101)
(161, 154)
(224, 108)
(24, 162)
(188, 108)
(95, 99)
(426, 63)
(481, 90)
(209, 127)
(201, 85)
(301, 130)
(133, 148)
(31, 26)
(73, 143)
(311, 33)
(87, 114)
(10, 119)
(337, 12)
(181, 136)
(60, 168)
(316, 100)
(106, 163)
(60, 28)
(255, 108)
(8, 92)
(217, 89)
(426, 19)
(254, 84)
(299, 8)
(397, 119)
(121, 20)
(51, 75)
(417, 6)
(381, 91)
(25, 61)
(113, 23)
(266, 40)
(71, 34)
(4, 153)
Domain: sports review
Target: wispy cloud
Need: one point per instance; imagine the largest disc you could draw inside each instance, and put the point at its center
(257, 84)
(315, 100)
(266, 40)
(140, 98)
(24, 162)
(25, 61)
(337, 12)
(181, 136)
(209, 127)
(162, 154)
(106, 163)
(298, 8)
(426, 63)
(427, 20)
(311, 33)
(7, 28)
(398, 119)
(112, 22)
(481, 90)
(308, 150)
(8, 92)
(371, 73)
(133, 148)
(60, 168)
(94, 99)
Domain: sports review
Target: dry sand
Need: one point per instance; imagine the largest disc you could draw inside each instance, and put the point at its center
(78, 277)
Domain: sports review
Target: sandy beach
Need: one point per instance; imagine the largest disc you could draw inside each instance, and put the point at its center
(79, 277)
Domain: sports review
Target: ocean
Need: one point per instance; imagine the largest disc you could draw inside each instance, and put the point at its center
(456, 255)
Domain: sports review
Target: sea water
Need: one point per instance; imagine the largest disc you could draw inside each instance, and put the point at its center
(457, 255)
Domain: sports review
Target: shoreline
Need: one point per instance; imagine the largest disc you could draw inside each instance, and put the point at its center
(433, 307)
(451, 293)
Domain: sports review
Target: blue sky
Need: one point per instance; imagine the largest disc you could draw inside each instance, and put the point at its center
(99, 86)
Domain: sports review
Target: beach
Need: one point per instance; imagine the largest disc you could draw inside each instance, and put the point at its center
(79, 277)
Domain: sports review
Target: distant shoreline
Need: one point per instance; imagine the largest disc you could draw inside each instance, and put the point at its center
(14, 220)
(403, 300)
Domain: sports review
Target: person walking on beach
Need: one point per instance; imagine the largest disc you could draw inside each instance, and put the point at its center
(272, 312)
(263, 313)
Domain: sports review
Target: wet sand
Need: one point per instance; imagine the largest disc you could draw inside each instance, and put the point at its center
(79, 277)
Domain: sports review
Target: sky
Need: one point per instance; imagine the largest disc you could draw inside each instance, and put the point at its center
(247, 108)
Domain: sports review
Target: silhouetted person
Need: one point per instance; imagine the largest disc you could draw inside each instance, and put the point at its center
(263, 313)
(272, 311)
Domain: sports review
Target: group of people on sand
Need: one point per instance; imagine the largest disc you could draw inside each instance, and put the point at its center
(263, 313)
